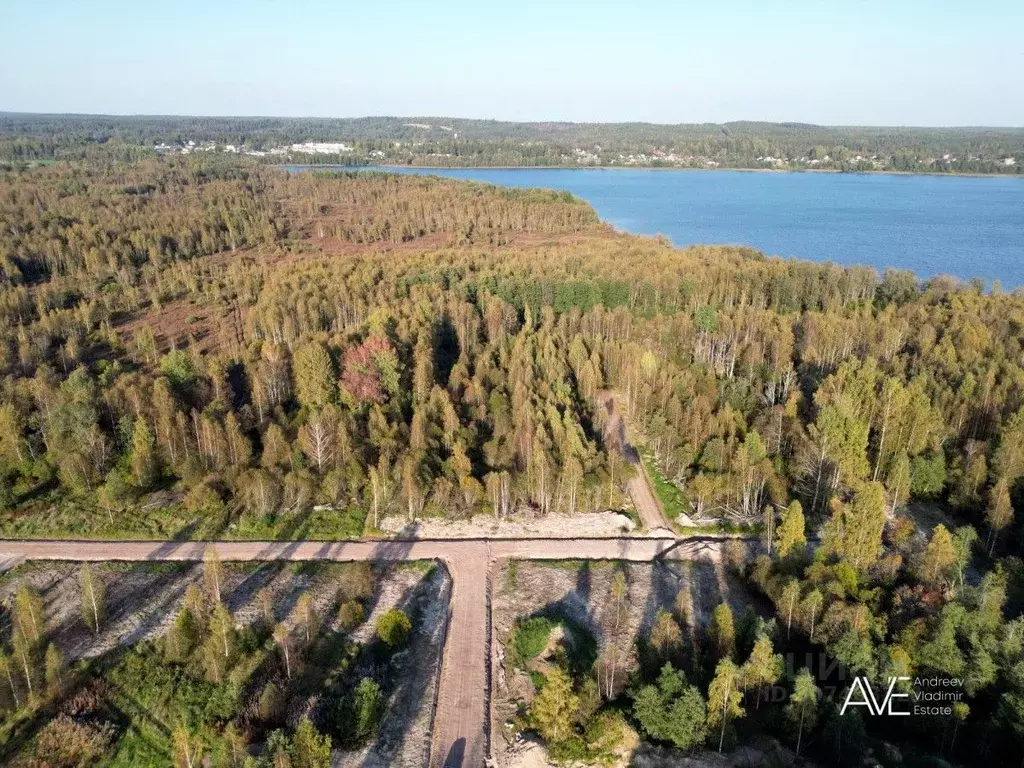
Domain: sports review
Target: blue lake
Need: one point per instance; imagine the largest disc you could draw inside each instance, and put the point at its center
(956, 225)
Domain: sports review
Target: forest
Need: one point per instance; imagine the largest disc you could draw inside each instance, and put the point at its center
(209, 346)
(455, 142)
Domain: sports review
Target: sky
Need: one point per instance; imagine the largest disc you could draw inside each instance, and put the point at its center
(856, 62)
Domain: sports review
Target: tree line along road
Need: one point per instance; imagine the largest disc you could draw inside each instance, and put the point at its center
(461, 720)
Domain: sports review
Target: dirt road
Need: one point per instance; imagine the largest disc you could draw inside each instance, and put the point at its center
(639, 489)
(460, 732)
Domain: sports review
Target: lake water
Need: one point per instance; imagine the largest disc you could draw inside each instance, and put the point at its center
(957, 225)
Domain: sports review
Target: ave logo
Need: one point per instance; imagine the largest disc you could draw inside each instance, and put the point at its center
(869, 700)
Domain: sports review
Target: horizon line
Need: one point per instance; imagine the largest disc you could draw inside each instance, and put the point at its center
(782, 123)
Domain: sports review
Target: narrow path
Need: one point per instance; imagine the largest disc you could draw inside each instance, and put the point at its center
(462, 719)
(639, 488)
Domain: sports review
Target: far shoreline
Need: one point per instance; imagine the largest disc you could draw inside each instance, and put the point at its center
(392, 166)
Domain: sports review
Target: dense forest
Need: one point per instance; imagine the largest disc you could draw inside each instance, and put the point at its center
(210, 346)
(437, 141)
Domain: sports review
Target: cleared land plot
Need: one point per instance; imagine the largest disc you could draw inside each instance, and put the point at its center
(575, 595)
(121, 683)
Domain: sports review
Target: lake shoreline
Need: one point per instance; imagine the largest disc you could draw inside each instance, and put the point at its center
(384, 167)
(957, 226)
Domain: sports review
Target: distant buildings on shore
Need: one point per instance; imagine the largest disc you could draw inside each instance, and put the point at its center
(579, 156)
(306, 148)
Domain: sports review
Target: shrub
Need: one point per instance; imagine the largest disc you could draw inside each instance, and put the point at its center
(351, 615)
(393, 628)
(271, 703)
(66, 742)
(367, 708)
(355, 582)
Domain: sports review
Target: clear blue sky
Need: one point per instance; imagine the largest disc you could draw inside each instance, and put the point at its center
(879, 62)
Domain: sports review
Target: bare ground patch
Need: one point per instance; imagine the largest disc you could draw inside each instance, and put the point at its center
(524, 524)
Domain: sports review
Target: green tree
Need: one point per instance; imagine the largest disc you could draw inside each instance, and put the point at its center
(790, 536)
(308, 620)
(283, 639)
(671, 710)
(788, 601)
(964, 539)
(837, 452)
(928, 474)
(762, 668)
(368, 708)
(186, 749)
(999, 513)
(854, 531)
(666, 636)
(222, 627)
(7, 670)
(54, 674)
(554, 709)
(143, 454)
(724, 698)
(315, 380)
(310, 748)
(802, 708)
(939, 558)
(28, 613)
(722, 631)
(810, 609)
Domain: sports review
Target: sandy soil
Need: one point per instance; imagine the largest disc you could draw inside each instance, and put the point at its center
(581, 593)
(522, 525)
(144, 599)
(404, 736)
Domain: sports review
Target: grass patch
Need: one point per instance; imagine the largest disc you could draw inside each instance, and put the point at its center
(57, 517)
(317, 525)
(529, 638)
(69, 518)
(673, 501)
(155, 697)
(576, 651)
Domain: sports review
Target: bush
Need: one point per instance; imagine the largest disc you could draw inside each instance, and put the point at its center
(271, 703)
(393, 628)
(529, 638)
(355, 582)
(351, 615)
(367, 709)
(66, 742)
(203, 498)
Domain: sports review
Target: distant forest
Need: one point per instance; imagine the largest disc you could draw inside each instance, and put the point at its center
(434, 141)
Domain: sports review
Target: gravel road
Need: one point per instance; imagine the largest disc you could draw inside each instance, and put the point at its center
(461, 719)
